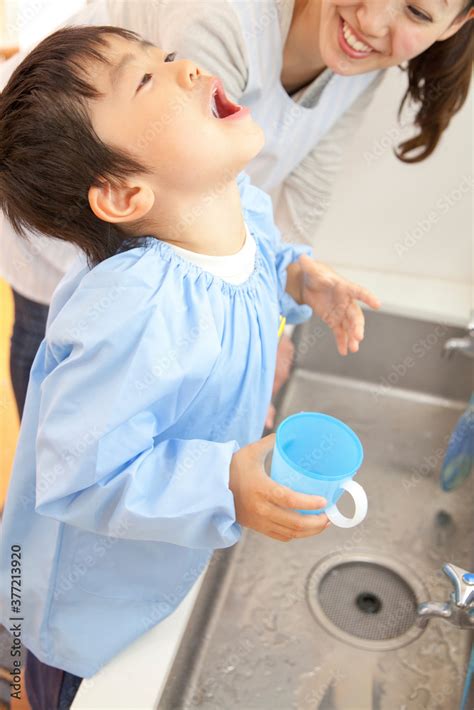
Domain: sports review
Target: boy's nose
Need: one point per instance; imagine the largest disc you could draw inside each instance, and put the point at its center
(188, 73)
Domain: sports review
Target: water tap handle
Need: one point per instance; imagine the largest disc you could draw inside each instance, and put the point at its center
(470, 325)
(463, 583)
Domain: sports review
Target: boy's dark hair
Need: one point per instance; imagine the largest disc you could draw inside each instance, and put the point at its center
(50, 154)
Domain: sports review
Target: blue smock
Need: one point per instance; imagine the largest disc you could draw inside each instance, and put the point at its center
(152, 374)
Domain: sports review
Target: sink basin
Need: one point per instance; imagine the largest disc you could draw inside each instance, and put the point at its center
(329, 622)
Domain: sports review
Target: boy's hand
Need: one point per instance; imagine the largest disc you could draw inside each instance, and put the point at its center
(262, 504)
(334, 299)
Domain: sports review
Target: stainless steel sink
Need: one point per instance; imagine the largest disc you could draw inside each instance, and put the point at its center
(328, 622)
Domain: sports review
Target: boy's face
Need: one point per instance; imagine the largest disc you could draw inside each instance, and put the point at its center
(163, 113)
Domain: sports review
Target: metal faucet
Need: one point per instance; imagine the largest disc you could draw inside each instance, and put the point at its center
(459, 610)
(463, 345)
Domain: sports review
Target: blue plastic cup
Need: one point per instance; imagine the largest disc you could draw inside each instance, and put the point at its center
(318, 454)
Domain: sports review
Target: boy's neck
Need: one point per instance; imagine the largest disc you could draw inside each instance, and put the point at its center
(209, 222)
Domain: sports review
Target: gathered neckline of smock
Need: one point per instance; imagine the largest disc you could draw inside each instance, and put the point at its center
(249, 284)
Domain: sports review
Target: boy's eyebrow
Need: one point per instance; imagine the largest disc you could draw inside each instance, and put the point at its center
(117, 70)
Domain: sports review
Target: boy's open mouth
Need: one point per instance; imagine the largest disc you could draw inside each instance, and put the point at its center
(221, 106)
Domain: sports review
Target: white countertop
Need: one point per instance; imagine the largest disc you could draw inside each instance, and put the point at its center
(135, 679)
(431, 299)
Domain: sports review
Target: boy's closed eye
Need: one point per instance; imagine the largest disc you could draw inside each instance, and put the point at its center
(148, 76)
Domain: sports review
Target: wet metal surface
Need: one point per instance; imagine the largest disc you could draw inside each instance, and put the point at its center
(254, 641)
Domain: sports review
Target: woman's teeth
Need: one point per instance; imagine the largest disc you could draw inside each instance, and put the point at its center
(352, 40)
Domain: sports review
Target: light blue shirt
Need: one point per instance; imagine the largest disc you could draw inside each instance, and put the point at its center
(152, 374)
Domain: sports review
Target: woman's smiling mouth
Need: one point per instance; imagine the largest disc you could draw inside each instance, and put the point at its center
(351, 44)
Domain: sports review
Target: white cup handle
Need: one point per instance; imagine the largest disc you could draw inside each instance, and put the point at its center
(360, 500)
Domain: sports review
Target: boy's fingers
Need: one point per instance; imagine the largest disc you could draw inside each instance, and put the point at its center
(354, 345)
(356, 321)
(298, 525)
(366, 296)
(340, 336)
(279, 533)
(307, 532)
(285, 497)
(264, 446)
(341, 340)
(306, 262)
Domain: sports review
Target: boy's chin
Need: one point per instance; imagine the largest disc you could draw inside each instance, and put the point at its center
(252, 144)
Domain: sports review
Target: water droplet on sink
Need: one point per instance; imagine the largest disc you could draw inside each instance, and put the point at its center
(422, 695)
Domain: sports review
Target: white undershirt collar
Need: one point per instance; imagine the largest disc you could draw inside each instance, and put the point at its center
(235, 268)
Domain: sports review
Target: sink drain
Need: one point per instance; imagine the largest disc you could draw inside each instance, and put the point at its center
(386, 611)
(366, 600)
(369, 603)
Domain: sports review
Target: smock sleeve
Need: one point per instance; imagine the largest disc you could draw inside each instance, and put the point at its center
(258, 210)
(123, 363)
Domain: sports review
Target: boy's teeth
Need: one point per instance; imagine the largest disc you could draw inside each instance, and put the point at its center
(352, 40)
(214, 110)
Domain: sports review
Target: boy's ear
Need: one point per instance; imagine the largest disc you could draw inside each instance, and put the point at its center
(123, 203)
(456, 25)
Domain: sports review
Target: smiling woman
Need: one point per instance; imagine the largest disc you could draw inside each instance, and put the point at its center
(431, 39)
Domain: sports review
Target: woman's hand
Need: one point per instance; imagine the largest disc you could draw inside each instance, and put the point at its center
(263, 504)
(333, 298)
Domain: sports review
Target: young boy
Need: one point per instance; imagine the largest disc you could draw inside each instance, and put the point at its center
(134, 460)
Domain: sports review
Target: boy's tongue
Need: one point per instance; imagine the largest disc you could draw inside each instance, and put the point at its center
(221, 106)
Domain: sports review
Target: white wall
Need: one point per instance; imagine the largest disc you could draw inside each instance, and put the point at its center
(28, 21)
(405, 230)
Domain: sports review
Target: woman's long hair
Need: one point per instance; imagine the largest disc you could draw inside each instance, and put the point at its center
(438, 80)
